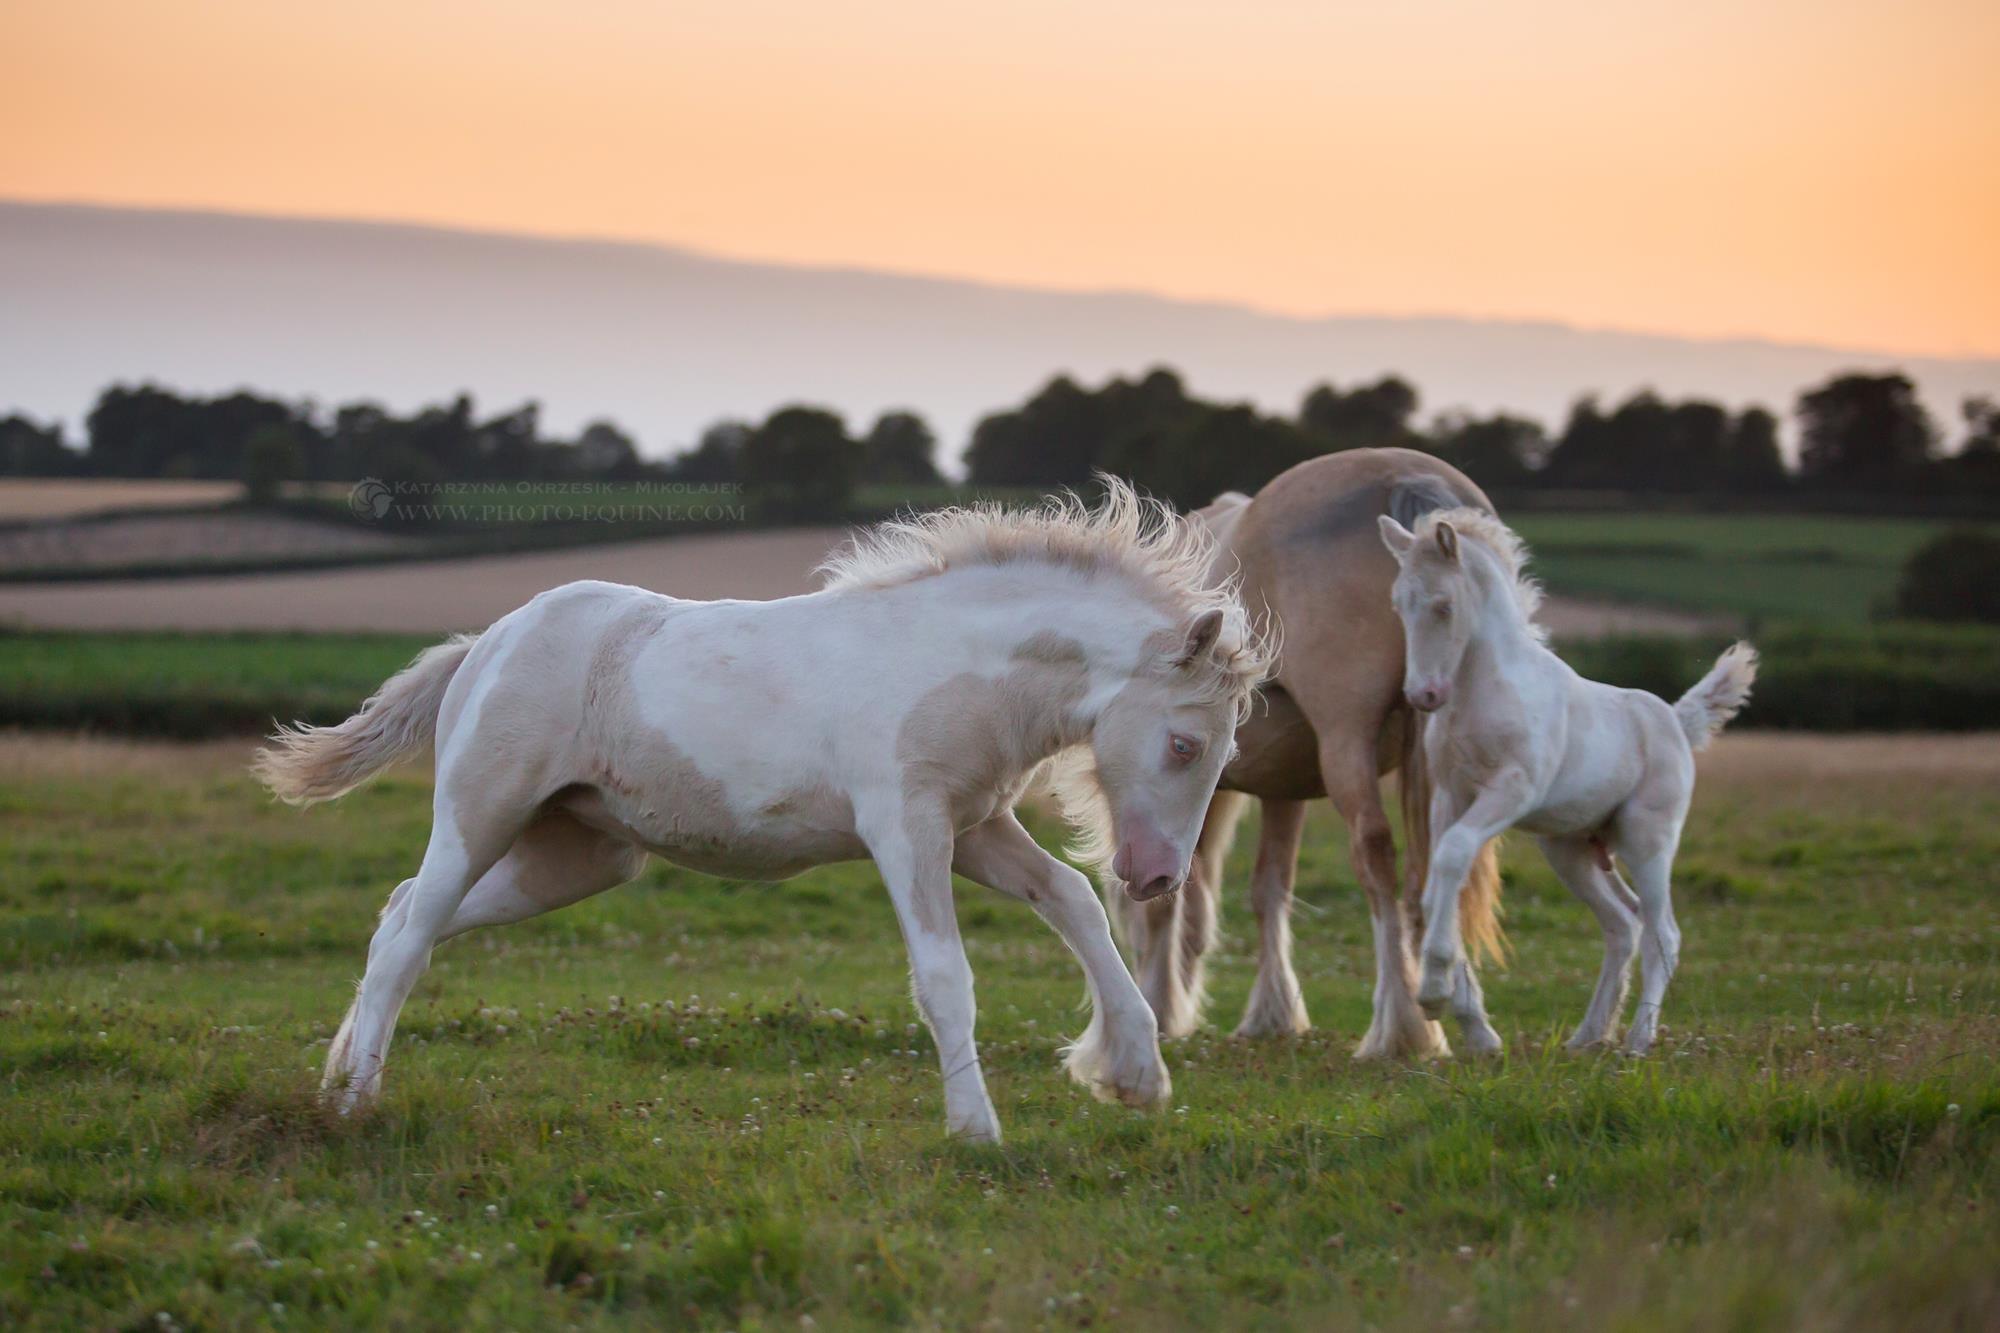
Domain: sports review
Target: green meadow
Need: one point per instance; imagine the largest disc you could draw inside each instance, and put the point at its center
(695, 1103)
(1753, 566)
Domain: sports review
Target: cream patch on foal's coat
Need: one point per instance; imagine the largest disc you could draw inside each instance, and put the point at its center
(898, 714)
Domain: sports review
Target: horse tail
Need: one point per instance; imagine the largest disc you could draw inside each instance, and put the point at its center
(304, 764)
(1718, 696)
(1479, 902)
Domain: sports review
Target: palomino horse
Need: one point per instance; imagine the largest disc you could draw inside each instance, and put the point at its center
(1518, 740)
(899, 714)
(1307, 551)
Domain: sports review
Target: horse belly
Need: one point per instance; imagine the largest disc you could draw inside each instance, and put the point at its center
(788, 837)
(757, 859)
(1582, 799)
(1562, 819)
(1277, 752)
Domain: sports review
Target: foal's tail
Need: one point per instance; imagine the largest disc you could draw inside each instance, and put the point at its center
(1479, 901)
(304, 764)
(1718, 696)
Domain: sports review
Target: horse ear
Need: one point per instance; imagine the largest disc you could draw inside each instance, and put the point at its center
(1201, 637)
(1447, 540)
(1396, 537)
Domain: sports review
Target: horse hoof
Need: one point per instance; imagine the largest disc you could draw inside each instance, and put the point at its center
(1258, 1027)
(1155, 1088)
(1424, 1041)
(987, 1131)
(1484, 1044)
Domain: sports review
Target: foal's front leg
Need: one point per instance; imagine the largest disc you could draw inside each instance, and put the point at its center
(1446, 973)
(1118, 1055)
(913, 849)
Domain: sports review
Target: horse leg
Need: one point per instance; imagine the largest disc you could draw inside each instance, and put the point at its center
(1397, 1028)
(462, 848)
(1118, 1055)
(556, 862)
(1171, 935)
(913, 849)
(339, 1054)
(1575, 863)
(1444, 965)
(1155, 931)
(1276, 1007)
(1659, 943)
(1468, 1006)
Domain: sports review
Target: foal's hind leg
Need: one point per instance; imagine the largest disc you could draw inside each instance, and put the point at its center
(1276, 1007)
(464, 844)
(1575, 862)
(556, 862)
(1659, 943)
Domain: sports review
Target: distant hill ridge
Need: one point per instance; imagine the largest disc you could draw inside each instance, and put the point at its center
(664, 341)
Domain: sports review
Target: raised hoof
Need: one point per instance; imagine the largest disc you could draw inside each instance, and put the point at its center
(1434, 989)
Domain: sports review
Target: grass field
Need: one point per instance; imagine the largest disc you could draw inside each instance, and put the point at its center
(1828, 677)
(192, 685)
(1770, 566)
(693, 1103)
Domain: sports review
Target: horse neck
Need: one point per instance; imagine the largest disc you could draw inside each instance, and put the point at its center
(1502, 638)
(1046, 626)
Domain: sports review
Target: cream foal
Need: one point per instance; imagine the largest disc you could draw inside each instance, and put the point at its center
(1516, 739)
(898, 714)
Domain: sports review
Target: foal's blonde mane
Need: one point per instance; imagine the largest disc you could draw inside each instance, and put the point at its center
(1128, 536)
(1142, 541)
(1504, 544)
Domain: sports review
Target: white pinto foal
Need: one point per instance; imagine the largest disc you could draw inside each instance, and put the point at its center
(898, 714)
(1516, 739)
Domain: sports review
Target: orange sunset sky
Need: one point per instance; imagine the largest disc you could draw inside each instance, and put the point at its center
(1819, 171)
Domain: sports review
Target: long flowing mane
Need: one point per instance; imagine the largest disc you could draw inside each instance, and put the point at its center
(1128, 536)
(1506, 547)
(1167, 557)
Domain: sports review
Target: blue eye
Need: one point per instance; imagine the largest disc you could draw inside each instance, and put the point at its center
(1185, 749)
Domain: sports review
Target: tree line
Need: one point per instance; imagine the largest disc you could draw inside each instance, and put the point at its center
(1859, 434)
(799, 458)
